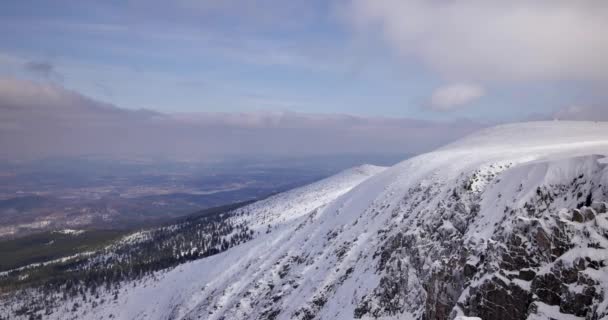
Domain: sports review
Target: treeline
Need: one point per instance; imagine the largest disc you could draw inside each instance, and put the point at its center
(38, 291)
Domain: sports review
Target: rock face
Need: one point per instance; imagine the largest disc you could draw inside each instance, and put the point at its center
(509, 223)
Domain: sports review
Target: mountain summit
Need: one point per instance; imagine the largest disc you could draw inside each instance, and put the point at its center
(507, 223)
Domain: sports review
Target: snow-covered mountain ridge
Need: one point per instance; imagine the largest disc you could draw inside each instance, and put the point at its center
(508, 223)
(99, 276)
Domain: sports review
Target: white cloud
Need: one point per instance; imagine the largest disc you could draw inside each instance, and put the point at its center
(31, 97)
(579, 112)
(455, 96)
(41, 119)
(481, 40)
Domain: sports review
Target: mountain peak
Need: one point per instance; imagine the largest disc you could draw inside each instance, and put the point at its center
(508, 223)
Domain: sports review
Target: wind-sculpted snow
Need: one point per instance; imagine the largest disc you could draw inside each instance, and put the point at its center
(288, 206)
(509, 223)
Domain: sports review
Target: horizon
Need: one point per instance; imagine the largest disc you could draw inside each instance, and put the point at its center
(304, 159)
(206, 79)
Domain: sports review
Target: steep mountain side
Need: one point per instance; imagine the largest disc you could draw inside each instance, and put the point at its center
(508, 223)
(93, 278)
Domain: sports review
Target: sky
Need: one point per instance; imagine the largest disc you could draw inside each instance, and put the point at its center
(283, 69)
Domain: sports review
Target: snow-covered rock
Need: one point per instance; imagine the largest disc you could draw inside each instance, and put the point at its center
(484, 227)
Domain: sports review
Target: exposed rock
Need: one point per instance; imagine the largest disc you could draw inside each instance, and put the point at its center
(588, 213)
(526, 275)
(554, 288)
(469, 270)
(495, 299)
(577, 216)
(548, 288)
(583, 214)
(543, 241)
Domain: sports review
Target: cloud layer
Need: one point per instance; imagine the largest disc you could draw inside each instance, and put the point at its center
(587, 113)
(455, 96)
(42, 69)
(477, 40)
(42, 120)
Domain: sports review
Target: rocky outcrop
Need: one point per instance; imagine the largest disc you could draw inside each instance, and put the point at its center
(494, 227)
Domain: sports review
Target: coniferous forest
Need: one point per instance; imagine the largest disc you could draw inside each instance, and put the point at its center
(83, 277)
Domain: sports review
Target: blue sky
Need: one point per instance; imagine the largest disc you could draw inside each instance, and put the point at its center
(247, 56)
(289, 77)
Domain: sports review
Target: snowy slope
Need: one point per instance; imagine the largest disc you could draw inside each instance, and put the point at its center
(288, 206)
(508, 223)
(275, 211)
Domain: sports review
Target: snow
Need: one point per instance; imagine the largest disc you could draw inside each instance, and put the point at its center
(291, 205)
(49, 262)
(320, 254)
(135, 237)
(551, 312)
(70, 232)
